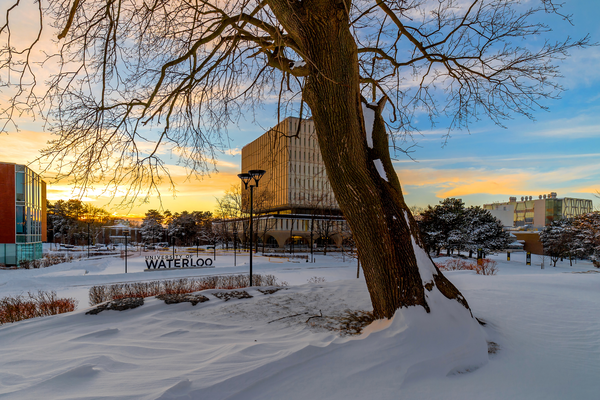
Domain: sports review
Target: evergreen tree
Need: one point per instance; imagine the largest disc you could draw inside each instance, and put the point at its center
(152, 229)
(67, 220)
(443, 226)
(556, 239)
(587, 234)
(484, 231)
(451, 226)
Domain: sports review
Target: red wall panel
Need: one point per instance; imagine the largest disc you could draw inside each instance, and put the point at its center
(7, 203)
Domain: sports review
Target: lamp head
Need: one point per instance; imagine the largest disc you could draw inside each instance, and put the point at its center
(245, 178)
(257, 174)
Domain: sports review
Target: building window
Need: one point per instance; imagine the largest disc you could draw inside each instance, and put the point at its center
(20, 186)
(20, 219)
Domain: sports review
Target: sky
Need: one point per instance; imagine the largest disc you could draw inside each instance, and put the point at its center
(557, 152)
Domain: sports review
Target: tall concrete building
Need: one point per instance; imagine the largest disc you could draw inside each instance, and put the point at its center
(22, 214)
(295, 180)
(294, 202)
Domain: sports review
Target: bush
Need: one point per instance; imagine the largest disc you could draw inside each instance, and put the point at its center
(100, 294)
(454, 264)
(47, 261)
(485, 266)
(40, 304)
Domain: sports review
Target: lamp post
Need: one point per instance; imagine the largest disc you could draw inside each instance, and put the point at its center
(235, 245)
(255, 174)
(88, 224)
(87, 220)
(126, 252)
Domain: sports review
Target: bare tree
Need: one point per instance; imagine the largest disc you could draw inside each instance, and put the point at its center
(230, 205)
(135, 76)
(263, 201)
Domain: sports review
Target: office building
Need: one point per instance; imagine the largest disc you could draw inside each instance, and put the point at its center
(527, 217)
(295, 178)
(294, 202)
(22, 214)
(537, 213)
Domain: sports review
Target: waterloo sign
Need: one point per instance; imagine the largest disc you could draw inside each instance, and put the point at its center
(177, 262)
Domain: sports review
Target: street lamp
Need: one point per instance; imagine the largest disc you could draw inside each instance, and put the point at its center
(88, 237)
(255, 174)
(235, 244)
(87, 221)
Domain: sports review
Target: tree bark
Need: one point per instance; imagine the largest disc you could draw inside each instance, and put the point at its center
(373, 204)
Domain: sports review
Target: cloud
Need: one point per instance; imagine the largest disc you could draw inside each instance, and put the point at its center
(571, 128)
(462, 182)
(227, 164)
(234, 152)
(499, 160)
(592, 189)
(581, 68)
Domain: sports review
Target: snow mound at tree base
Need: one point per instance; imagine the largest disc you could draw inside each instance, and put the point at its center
(248, 348)
(391, 355)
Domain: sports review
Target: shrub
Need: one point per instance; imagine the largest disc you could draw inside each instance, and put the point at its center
(484, 267)
(47, 261)
(100, 294)
(40, 304)
(316, 279)
(454, 264)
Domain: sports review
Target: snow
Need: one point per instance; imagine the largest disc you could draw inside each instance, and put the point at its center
(380, 169)
(369, 116)
(298, 64)
(545, 323)
(426, 268)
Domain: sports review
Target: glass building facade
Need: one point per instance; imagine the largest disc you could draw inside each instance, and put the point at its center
(22, 214)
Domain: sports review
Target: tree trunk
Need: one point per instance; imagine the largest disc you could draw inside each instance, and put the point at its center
(360, 169)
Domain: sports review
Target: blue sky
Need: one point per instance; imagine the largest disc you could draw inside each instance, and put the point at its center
(558, 152)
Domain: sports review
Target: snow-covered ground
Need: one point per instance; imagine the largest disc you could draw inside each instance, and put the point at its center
(545, 322)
